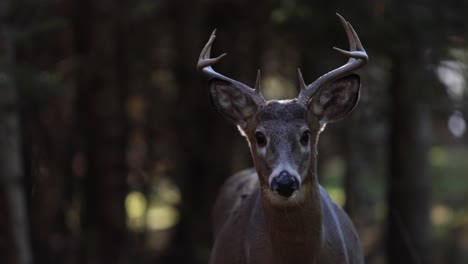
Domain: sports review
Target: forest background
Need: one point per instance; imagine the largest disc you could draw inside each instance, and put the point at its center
(111, 153)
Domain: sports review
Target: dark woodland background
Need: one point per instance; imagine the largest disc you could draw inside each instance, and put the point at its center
(111, 153)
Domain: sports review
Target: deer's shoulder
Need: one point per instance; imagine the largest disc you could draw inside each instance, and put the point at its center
(234, 197)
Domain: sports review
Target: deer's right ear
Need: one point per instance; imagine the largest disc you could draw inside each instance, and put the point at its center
(337, 99)
(233, 103)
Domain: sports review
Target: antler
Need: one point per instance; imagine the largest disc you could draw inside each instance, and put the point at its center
(357, 59)
(205, 64)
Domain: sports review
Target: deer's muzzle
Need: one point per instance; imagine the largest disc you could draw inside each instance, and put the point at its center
(284, 184)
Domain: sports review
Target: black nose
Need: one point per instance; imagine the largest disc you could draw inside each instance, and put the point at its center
(284, 184)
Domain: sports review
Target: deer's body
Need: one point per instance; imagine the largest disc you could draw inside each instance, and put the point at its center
(278, 213)
(243, 232)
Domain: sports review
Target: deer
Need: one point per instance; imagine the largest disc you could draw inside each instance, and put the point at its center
(277, 212)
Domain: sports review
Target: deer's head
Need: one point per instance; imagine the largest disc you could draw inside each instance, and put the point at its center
(283, 135)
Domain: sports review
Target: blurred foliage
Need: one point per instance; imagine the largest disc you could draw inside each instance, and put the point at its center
(177, 152)
(448, 171)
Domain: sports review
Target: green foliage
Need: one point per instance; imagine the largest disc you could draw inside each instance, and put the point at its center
(144, 9)
(449, 168)
(38, 82)
(25, 33)
(290, 12)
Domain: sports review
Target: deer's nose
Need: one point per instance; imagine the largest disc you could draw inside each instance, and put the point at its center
(284, 184)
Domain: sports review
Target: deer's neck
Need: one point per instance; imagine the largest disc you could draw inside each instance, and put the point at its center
(296, 231)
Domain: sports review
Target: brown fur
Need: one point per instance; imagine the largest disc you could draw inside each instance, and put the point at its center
(252, 227)
(257, 223)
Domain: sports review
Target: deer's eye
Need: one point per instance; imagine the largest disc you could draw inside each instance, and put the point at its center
(305, 137)
(260, 138)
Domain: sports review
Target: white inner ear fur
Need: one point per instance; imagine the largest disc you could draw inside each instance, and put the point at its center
(343, 97)
(224, 100)
(239, 99)
(317, 109)
(325, 97)
(248, 110)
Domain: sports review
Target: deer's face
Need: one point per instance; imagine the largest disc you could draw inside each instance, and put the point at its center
(280, 141)
(282, 134)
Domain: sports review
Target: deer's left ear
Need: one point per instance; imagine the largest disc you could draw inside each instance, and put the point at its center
(232, 102)
(337, 99)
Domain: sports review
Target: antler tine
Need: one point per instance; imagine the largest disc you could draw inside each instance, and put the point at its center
(349, 34)
(204, 59)
(358, 41)
(257, 83)
(357, 50)
(357, 58)
(205, 64)
(301, 80)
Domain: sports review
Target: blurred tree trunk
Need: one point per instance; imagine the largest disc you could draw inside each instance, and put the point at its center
(101, 93)
(189, 174)
(44, 123)
(46, 119)
(11, 169)
(408, 195)
(353, 149)
(408, 181)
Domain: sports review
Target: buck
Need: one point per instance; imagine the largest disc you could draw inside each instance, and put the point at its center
(278, 212)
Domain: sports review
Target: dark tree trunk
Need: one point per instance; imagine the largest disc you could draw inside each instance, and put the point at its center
(408, 181)
(11, 169)
(100, 107)
(408, 194)
(353, 149)
(189, 175)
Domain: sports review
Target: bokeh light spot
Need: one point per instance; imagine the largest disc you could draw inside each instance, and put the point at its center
(162, 217)
(457, 124)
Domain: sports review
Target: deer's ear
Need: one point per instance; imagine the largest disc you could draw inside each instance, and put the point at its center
(234, 104)
(337, 99)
